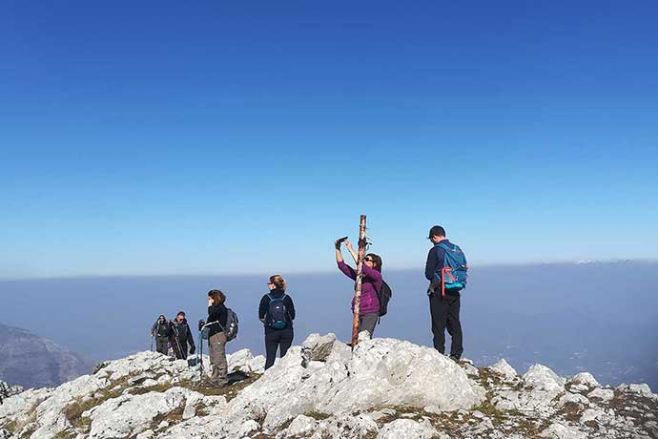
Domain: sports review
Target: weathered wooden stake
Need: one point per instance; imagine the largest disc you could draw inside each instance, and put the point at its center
(357, 284)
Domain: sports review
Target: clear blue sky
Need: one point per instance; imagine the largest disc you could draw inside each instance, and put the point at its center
(222, 137)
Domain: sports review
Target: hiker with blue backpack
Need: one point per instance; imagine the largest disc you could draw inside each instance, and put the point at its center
(276, 311)
(446, 269)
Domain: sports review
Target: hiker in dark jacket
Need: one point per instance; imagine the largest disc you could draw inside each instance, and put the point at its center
(443, 309)
(181, 336)
(277, 311)
(217, 315)
(161, 330)
(371, 284)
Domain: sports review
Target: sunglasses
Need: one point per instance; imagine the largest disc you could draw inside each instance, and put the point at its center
(369, 260)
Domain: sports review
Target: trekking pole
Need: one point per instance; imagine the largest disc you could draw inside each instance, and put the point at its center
(200, 356)
(357, 284)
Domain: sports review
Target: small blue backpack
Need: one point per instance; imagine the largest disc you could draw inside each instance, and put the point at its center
(454, 274)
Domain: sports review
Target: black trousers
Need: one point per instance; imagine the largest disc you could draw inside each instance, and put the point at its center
(162, 344)
(277, 339)
(445, 314)
(180, 349)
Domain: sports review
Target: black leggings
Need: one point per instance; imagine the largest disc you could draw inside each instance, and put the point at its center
(277, 339)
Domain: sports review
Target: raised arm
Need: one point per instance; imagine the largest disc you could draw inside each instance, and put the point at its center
(350, 248)
(342, 266)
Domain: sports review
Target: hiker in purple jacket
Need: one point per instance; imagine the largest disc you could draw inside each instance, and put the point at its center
(372, 282)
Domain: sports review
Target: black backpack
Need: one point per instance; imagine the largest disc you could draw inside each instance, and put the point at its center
(163, 329)
(277, 313)
(384, 295)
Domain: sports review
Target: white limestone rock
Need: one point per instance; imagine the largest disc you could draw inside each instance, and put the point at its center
(319, 346)
(301, 426)
(346, 427)
(352, 391)
(7, 390)
(148, 434)
(592, 414)
(603, 394)
(584, 379)
(407, 429)
(503, 368)
(540, 377)
(560, 431)
(573, 398)
(381, 372)
(542, 387)
(640, 389)
(249, 427)
(244, 361)
(389, 372)
(130, 415)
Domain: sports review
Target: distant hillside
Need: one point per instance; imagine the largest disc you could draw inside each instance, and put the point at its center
(32, 361)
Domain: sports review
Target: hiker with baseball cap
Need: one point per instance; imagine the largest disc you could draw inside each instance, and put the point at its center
(446, 270)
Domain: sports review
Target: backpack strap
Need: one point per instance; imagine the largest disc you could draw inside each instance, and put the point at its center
(274, 298)
(445, 247)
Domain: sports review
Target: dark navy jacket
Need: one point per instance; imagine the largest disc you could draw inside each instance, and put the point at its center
(434, 264)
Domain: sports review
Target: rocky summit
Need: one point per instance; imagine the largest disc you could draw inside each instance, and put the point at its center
(385, 388)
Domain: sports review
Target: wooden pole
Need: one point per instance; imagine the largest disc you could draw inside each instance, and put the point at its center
(357, 284)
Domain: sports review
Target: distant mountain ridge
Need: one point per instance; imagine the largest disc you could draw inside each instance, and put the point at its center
(29, 360)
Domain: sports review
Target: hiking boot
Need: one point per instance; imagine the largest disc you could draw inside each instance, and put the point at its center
(454, 358)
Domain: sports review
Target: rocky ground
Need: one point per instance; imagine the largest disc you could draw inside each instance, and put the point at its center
(385, 388)
(7, 390)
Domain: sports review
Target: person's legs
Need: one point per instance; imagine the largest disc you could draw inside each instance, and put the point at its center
(367, 322)
(455, 326)
(439, 314)
(217, 348)
(178, 350)
(285, 341)
(271, 344)
(161, 345)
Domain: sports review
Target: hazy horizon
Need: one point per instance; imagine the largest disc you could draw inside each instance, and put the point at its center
(567, 316)
(326, 271)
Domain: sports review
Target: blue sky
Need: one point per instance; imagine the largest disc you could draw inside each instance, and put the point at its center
(238, 137)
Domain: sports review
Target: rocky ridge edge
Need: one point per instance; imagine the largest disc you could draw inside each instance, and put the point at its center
(385, 388)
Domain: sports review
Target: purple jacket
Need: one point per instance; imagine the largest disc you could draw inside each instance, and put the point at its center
(372, 282)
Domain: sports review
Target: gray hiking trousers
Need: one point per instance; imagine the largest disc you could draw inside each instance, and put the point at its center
(217, 348)
(367, 322)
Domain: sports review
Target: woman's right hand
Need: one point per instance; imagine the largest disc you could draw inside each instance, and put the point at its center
(210, 301)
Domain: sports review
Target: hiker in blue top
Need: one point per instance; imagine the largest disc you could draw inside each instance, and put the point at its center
(276, 311)
(446, 270)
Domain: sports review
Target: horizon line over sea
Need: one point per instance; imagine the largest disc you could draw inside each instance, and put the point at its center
(317, 272)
